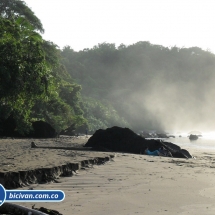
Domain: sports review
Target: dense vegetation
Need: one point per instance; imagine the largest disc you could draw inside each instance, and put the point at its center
(147, 84)
(129, 86)
(34, 85)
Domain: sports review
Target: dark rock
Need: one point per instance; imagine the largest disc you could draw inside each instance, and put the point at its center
(162, 135)
(172, 136)
(193, 137)
(125, 140)
(48, 211)
(8, 127)
(42, 129)
(146, 135)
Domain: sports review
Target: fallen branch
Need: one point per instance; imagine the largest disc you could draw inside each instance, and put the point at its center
(33, 145)
(97, 148)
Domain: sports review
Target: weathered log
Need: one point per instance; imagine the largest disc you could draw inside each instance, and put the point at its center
(33, 145)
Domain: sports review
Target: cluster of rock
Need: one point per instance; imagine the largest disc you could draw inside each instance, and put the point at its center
(40, 129)
(125, 140)
(156, 135)
(153, 135)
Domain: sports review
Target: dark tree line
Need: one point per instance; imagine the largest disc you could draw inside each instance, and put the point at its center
(129, 76)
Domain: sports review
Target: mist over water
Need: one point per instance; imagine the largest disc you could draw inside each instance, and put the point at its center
(175, 105)
(182, 106)
(179, 107)
(203, 143)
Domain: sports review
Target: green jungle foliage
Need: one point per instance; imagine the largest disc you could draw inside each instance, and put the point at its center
(131, 78)
(34, 85)
(16, 9)
(101, 114)
(94, 88)
(22, 70)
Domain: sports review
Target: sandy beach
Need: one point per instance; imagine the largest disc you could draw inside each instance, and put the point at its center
(127, 184)
(17, 154)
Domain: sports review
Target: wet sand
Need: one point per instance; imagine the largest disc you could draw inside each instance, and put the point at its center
(130, 184)
(17, 154)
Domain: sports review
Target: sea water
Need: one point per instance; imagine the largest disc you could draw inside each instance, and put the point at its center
(206, 142)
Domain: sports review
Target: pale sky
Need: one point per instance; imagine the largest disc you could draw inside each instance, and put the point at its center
(85, 23)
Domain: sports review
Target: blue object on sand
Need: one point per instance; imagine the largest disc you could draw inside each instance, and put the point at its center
(155, 153)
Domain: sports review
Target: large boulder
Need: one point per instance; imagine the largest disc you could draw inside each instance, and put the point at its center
(8, 127)
(125, 140)
(42, 129)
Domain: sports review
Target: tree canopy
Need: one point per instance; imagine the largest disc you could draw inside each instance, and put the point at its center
(142, 80)
(34, 85)
(16, 9)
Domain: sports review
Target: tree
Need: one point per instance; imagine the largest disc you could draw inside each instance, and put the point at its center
(34, 85)
(22, 69)
(14, 9)
(23, 63)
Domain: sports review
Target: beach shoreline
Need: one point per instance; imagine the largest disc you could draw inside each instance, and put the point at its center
(23, 165)
(127, 184)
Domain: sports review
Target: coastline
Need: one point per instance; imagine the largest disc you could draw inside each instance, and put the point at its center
(129, 184)
(22, 165)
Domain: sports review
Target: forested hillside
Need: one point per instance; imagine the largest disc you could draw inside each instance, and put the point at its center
(141, 86)
(151, 86)
(35, 85)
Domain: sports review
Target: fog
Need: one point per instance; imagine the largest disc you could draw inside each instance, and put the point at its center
(175, 106)
(151, 86)
(179, 98)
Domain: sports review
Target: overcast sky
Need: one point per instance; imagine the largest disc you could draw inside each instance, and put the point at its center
(85, 23)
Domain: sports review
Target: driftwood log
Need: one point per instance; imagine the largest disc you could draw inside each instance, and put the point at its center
(96, 148)
(33, 145)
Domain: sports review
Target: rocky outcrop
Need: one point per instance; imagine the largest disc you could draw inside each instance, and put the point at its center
(125, 140)
(193, 137)
(42, 129)
(8, 127)
(12, 180)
